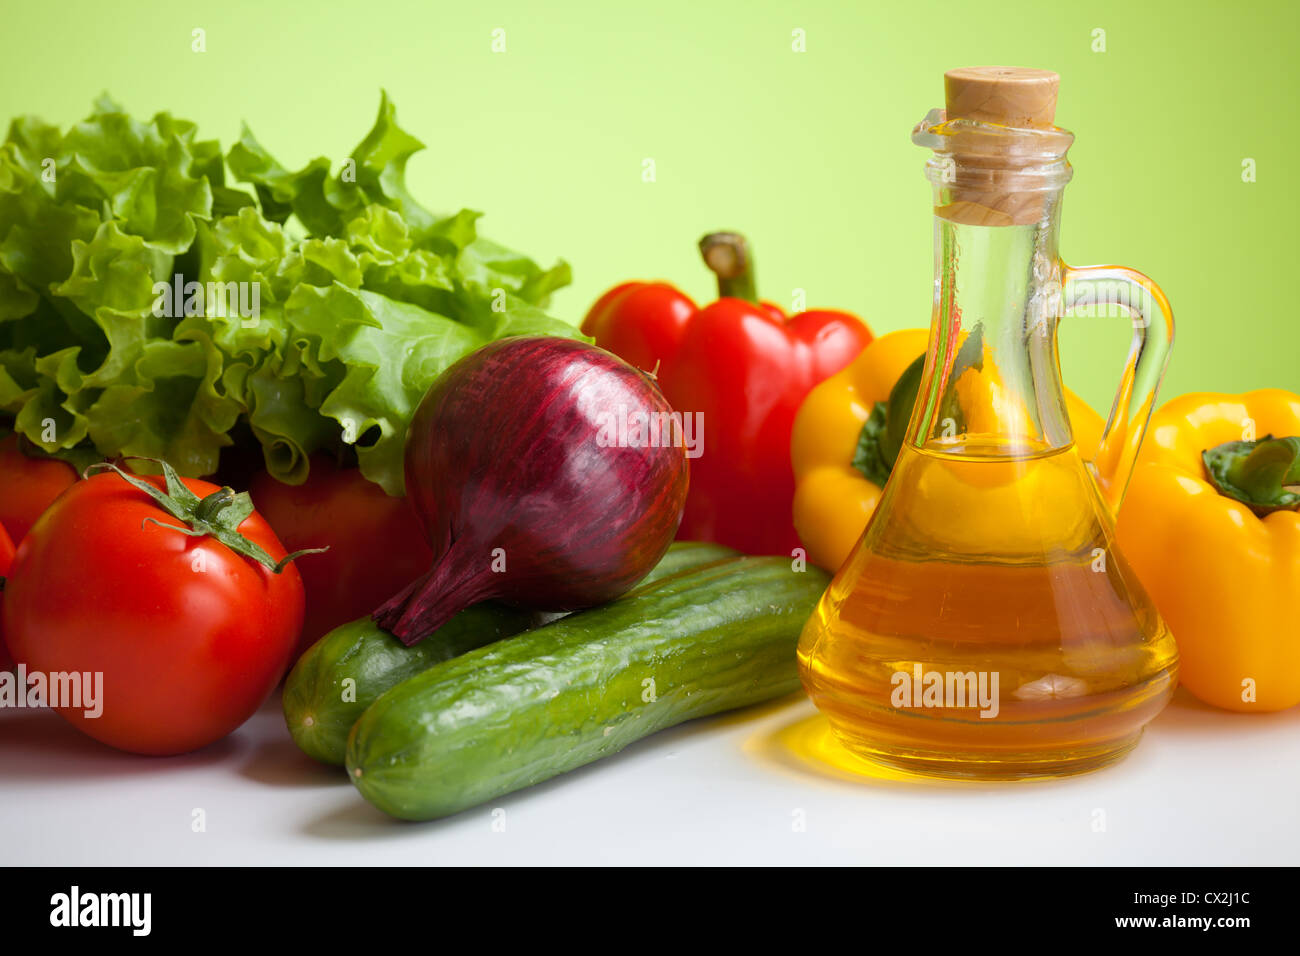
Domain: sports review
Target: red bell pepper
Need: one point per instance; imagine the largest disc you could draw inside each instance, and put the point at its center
(745, 367)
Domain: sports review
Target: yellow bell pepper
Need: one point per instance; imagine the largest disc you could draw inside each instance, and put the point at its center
(833, 500)
(1215, 540)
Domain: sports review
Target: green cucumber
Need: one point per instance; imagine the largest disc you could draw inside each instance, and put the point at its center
(340, 675)
(504, 717)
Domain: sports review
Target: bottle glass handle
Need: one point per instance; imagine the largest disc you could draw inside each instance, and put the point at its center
(1103, 291)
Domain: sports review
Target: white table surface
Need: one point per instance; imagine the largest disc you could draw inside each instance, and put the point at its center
(1203, 787)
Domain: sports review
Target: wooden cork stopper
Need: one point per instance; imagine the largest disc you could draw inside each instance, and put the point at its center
(1003, 95)
(1006, 96)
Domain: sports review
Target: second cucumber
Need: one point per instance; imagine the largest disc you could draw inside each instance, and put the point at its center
(520, 711)
(346, 670)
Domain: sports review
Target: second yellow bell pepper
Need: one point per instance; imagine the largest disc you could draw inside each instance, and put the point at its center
(833, 500)
(1215, 540)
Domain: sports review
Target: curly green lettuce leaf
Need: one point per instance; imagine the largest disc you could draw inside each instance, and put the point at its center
(112, 283)
(17, 298)
(145, 174)
(391, 351)
(486, 266)
(148, 307)
(36, 229)
(380, 160)
(168, 408)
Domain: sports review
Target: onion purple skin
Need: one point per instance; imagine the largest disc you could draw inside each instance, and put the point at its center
(508, 459)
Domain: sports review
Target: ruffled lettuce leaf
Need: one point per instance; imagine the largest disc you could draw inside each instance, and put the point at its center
(309, 309)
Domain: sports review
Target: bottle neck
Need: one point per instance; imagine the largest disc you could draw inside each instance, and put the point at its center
(992, 383)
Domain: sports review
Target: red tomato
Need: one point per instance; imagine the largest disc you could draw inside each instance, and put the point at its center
(6, 559)
(28, 486)
(376, 545)
(190, 637)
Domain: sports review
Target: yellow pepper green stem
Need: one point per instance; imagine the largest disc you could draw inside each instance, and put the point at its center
(1264, 475)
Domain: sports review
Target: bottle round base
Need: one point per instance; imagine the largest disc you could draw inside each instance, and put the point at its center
(991, 766)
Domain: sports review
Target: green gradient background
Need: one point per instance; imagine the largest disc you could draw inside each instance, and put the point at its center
(807, 153)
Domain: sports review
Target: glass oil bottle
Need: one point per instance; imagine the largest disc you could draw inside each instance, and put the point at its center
(986, 625)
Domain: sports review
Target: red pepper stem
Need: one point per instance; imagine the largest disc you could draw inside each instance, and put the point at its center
(727, 255)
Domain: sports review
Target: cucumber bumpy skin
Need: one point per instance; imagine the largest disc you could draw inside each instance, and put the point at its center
(504, 717)
(320, 707)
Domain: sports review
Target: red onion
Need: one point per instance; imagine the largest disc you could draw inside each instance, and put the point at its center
(541, 482)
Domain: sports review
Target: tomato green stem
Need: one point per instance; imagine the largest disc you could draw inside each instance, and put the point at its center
(727, 255)
(207, 509)
(217, 515)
